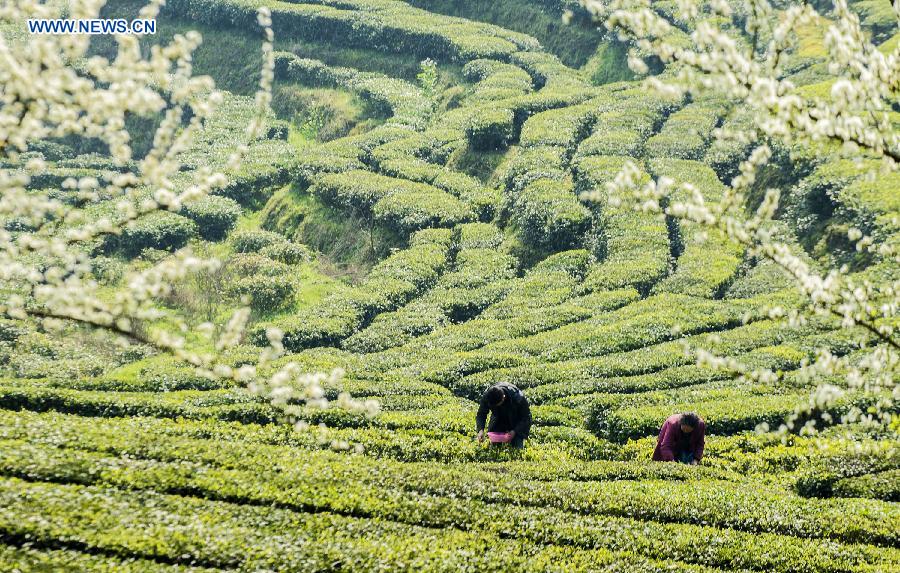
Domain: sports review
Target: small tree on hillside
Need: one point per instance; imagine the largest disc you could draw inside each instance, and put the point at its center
(747, 67)
(428, 78)
(51, 87)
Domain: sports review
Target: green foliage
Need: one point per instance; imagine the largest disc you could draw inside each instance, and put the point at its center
(390, 284)
(158, 230)
(635, 245)
(365, 494)
(608, 64)
(404, 103)
(265, 293)
(877, 17)
(478, 279)
(572, 41)
(686, 133)
(215, 216)
(709, 259)
(158, 374)
(883, 485)
(319, 114)
(490, 128)
(428, 78)
(390, 27)
(11, 330)
(550, 214)
(253, 241)
(287, 253)
(403, 205)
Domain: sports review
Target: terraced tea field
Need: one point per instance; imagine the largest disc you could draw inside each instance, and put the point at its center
(430, 238)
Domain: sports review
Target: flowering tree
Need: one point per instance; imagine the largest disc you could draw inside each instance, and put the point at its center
(747, 66)
(51, 87)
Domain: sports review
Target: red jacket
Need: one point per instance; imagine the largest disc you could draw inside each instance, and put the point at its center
(670, 436)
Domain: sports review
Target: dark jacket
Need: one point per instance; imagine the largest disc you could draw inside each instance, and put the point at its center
(513, 414)
(671, 437)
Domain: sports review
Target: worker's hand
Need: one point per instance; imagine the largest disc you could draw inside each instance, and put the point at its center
(480, 436)
(512, 434)
(695, 463)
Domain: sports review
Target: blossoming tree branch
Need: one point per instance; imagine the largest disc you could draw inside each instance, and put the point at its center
(857, 120)
(51, 86)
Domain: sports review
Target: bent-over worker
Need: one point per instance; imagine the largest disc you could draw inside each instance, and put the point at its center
(509, 410)
(681, 439)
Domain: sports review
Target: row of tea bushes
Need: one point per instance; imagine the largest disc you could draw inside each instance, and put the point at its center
(642, 360)
(495, 80)
(636, 244)
(401, 101)
(402, 205)
(540, 192)
(271, 447)
(389, 285)
(465, 339)
(686, 133)
(28, 559)
(348, 526)
(482, 200)
(738, 506)
(725, 154)
(478, 278)
(625, 121)
(756, 345)
(269, 163)
(382, 25)
(402, 435)
(708, 259)
(636, 325)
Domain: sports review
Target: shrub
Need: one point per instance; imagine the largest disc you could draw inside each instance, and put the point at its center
(288, 253)
(391, 283)
(266, 293)
(531, 164)
(490, 128)
(550, 215)
(612, 142)
(250, 264)
(159, 230)
(254, 241)
(709, 260)
(687, 132)
(160, 374)
(479, 236)
(559, 127)
(676, 145)
(406, 212)
(214, 215)
(10, 330)
(883, 485)
(362, 189)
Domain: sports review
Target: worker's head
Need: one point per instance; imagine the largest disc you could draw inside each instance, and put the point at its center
(495, 396)
(689, 421)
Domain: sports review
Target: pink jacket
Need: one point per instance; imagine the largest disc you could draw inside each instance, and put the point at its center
(670, 436)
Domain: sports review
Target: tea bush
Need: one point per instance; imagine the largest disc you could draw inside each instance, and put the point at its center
(214, 216)
(161, 230)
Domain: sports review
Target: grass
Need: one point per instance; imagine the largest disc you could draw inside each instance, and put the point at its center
(608, 64)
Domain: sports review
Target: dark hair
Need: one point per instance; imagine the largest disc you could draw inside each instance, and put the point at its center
(690, 419)
(494, 395)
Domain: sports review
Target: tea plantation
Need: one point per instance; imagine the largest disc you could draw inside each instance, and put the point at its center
(430, 238)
